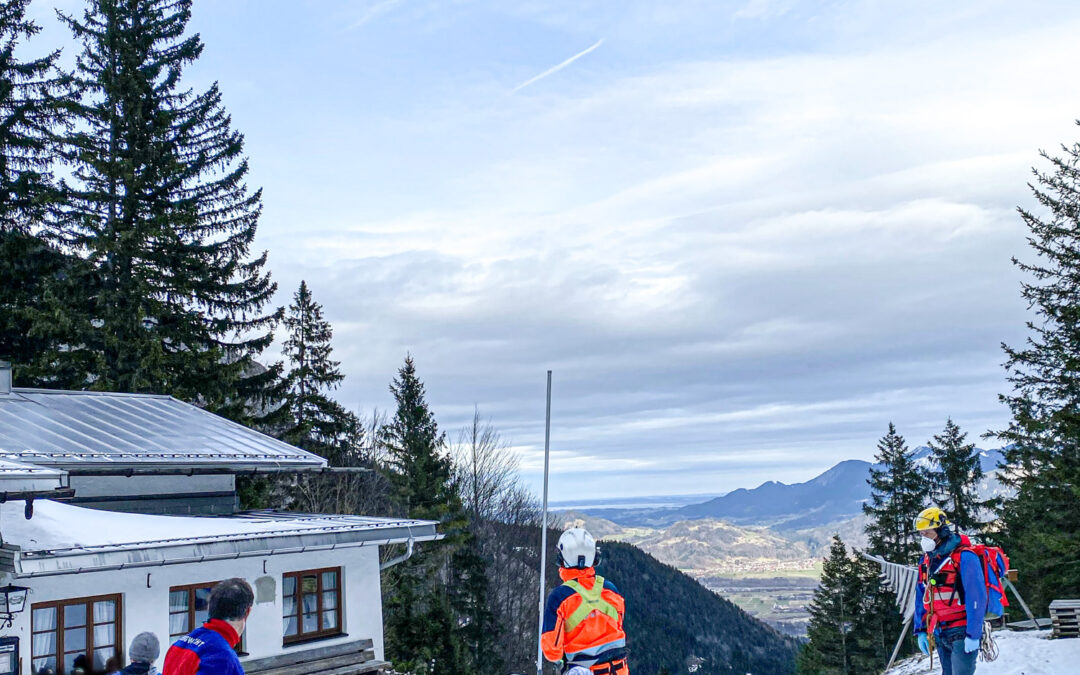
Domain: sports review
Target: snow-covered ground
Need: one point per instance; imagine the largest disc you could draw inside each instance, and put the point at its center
(1028, 653)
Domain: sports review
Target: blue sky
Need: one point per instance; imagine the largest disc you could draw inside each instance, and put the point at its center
(745, 236)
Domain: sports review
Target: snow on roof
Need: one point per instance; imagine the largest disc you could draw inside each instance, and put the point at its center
(78, 429)
(65, 539)
(1030, 653)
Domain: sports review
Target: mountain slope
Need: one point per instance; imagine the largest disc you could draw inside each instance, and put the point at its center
(831, 497)
(673, 621)
(834, 495)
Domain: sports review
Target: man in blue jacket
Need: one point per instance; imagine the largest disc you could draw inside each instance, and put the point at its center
(950, 598)
(209, 650)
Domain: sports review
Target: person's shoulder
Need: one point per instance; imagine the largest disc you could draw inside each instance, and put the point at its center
(610, 586)
(558, 594)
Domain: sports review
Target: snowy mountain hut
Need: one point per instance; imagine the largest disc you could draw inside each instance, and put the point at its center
(118, 514)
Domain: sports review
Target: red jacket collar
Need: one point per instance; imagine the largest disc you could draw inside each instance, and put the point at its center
(224, 629)
(568, 573)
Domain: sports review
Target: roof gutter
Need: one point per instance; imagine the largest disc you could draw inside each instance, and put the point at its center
(402, 558)
(221, 556)
(211, 471)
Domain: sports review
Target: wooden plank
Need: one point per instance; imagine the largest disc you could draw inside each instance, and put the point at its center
(327, 667)
(298, 655)
(320, 665)
(1065, 604)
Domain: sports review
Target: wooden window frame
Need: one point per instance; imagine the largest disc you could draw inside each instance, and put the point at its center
(118, 622)
(189, 588)
(321, 633)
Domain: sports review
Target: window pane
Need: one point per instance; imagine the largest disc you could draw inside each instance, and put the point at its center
(178, 624)
(311, 622)
(47, 662)
(74, 639)
(202, 599)
(289, 625)
(178, 601)
(311, 602)
(45, 644)
(290, 605)
(329, 620)
(329, 580)
(288, 587)
(309, 584)
(45, 619)
(329, 600)
(202, 616)
(104, 636)
(101, 656)
(74, 615)
(74, 660)
(104, 611)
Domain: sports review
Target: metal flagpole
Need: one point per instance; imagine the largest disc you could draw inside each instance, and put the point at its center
(543, 532)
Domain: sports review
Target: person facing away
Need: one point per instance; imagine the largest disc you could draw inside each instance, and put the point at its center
(144, 650)
(583, 618)
(208, 650)
(950, 597)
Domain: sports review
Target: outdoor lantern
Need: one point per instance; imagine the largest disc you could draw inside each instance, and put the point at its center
(12, 601)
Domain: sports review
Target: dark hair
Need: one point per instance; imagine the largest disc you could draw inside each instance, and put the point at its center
(231, 599)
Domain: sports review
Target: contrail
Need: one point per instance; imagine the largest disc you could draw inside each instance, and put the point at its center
(555, 69)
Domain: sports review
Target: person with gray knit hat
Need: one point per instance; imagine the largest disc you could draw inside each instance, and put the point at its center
(144, 650)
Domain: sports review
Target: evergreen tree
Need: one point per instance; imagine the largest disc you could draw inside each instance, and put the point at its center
(316, 422)
(956, 475)
(898, 492)
(420, 467)
(832, 617)
(34, 276)
(1042, 458)
(159, 206)
(877, 623)
(422, 630)
(29, 114)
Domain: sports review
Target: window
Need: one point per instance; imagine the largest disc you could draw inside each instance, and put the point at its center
(189, 608)
(312, 604)
(81, 632)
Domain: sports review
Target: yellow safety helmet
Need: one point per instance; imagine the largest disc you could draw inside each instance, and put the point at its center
(930, 519)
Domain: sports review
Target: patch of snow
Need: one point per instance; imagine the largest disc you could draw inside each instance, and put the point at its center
(57, 526)
(1019, 653)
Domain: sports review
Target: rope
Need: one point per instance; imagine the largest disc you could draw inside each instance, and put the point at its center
(988, 647)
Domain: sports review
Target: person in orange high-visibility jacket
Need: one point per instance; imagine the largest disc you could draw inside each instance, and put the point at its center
(583, 618)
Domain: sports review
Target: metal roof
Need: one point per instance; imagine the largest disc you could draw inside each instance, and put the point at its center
(20, 477)
(66, 539)
(75, 430)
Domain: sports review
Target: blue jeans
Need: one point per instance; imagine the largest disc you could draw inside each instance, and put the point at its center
(950, 649)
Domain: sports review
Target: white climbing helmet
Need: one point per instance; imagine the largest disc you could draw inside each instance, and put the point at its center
(577, 548)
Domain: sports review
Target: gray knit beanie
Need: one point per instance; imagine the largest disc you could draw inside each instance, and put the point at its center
(145, 648)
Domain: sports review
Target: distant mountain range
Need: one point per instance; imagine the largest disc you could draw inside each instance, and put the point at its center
(834, 496)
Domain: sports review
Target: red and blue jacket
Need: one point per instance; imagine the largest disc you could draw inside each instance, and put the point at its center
(957, 597)
(582, 623)
(205, 651)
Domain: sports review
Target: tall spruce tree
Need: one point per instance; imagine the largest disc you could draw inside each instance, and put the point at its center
(420, 466)
(833, 611)
(956, 475)
(34, 276)
(899, 489)
(315, 421)
(423, 633)
(29, 117)
(1042, 458)
(158, 204)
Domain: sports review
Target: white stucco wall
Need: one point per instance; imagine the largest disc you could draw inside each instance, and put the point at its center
(148, 608)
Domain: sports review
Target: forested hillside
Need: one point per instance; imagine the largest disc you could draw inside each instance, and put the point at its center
(672, 621)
